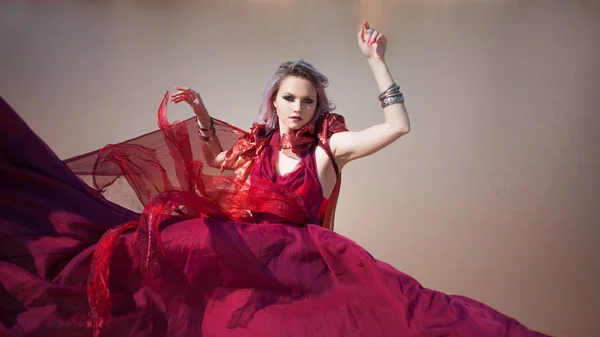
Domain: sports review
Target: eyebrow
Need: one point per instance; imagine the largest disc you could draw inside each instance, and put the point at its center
(289, 93)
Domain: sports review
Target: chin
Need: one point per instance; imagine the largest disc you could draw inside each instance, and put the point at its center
(296, 126)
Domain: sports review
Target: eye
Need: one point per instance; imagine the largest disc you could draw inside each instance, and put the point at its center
(308, 101)
(288, 98)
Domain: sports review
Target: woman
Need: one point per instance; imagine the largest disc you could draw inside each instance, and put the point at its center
(246, 254)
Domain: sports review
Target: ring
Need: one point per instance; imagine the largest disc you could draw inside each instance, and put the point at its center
(370, 31)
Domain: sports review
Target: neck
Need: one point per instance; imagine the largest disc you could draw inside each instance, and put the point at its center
(284, 130)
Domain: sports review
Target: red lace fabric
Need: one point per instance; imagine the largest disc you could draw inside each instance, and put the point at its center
(168, 173)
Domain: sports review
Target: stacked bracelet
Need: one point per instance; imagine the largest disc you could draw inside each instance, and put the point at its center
(206, 130)
(391, 96)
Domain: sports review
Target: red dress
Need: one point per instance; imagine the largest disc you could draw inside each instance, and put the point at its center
(211, 255)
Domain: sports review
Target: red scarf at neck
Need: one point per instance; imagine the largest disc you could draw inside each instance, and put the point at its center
(249, 146)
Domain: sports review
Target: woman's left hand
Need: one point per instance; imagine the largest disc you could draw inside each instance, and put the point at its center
(371, 42)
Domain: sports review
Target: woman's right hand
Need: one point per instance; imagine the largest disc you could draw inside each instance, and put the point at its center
(192, 98)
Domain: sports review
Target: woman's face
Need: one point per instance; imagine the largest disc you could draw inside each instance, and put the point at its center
(295, 103)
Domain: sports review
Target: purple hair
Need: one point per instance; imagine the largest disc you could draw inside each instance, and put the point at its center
(299, 69)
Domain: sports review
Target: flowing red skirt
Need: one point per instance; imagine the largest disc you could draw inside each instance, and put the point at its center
(216, 277)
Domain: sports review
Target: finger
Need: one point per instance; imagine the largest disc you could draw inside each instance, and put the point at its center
(188, 94)
(365, 31)
(181, 92)
(368, 34)
(178, 94)
(368, 39)
(378, 38)
(177, 100)
(361, 32)
(372, 37)
(182, 88)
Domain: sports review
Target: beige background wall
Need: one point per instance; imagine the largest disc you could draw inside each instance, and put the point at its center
(494, 194)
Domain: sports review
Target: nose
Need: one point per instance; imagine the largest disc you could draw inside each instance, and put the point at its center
(297, 106)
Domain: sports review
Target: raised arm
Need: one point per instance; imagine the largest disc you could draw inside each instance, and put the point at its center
(211, 146)
(347, 146)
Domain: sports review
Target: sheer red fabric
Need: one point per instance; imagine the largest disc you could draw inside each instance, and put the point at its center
(170, 159)
(232, 253)
(168, 177)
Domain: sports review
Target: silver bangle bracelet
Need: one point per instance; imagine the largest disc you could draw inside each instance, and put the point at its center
(210, 128)
(393, 88)
(392, 100)
(390, 96)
